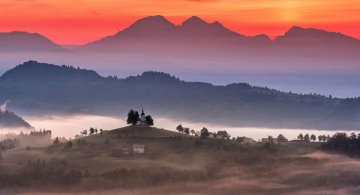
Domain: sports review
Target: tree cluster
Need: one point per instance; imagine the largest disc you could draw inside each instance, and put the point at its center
(185, 130)
(308, 138)
(12, 140)
(343, 143)
(203, 133)
(91, 131)
(134, 116)
(35, 173)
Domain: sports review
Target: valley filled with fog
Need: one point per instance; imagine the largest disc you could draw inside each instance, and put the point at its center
(71, 125)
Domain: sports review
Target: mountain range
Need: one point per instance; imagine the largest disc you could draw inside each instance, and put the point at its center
(40, 88)
(157, 32)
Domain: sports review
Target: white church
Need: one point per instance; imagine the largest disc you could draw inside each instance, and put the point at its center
(142, 120)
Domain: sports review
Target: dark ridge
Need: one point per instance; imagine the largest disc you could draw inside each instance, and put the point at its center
(11, 120)
(33, 70)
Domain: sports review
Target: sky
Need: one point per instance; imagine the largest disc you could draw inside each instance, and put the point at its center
(82, 21)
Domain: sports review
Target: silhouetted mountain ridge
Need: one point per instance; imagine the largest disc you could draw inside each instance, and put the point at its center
(157, 31)
(194, 34)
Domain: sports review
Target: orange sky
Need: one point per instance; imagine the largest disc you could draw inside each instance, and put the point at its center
(81, 21)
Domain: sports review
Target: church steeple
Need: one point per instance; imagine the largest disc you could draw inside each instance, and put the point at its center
(142, 112)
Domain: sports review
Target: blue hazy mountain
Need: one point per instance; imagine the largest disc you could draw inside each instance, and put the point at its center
(39, 88)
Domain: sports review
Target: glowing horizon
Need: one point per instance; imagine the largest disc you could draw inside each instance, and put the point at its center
(80, 22)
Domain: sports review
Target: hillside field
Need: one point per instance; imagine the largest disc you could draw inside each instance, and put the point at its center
(174, 163)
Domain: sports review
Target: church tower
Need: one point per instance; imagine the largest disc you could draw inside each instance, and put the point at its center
(142, 118)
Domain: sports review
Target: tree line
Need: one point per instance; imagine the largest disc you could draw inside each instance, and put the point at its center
(203, 133)
(12, 140)
(312, 137)
(343, 143)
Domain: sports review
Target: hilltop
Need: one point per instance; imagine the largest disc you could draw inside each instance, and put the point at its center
(45, 88)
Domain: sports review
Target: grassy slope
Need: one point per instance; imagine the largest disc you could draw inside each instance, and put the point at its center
(162, 147)
(283, 169)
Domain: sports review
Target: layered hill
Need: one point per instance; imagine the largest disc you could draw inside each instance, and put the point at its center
(11, 120)
(44, 88)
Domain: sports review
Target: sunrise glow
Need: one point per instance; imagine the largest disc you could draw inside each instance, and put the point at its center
(78, 22)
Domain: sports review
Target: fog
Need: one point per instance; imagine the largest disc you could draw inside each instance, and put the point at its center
(71, 125)
(310, 174)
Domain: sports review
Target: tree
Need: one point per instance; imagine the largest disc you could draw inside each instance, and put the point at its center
(193, 132)
(56, 141)
(149, 120)
(92, 131)
(307, 138)
(84, 132)
(313, 137)
(180, 128)
(320, 138)
(353, 136)
(281, 138)
(204, 133)
(101, 131)
(300, 137)
(69, 144)
(187, 131)
(132, 117)
(137, 116)
(222, 135)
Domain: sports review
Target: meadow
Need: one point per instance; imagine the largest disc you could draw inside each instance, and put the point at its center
(175, 163)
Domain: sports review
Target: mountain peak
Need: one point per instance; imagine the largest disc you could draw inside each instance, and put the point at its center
(295, 28)
(156, 18)
(217, 24)
(151, 26)
(196, 26)
(194, 20)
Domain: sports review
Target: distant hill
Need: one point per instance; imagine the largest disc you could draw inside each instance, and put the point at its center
(45, 88)
(26, 42)
(11, 120)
